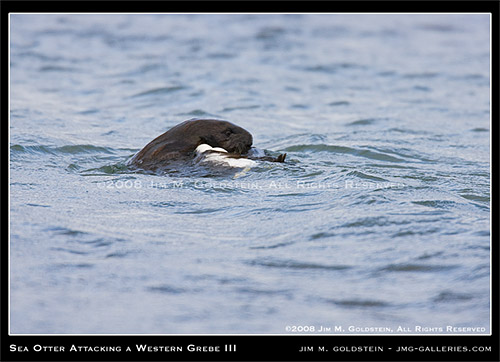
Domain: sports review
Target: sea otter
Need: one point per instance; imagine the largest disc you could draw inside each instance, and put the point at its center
(181, 142)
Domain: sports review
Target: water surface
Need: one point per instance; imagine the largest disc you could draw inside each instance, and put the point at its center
(379, 218)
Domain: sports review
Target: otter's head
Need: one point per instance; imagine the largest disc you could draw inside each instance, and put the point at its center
(223, 134)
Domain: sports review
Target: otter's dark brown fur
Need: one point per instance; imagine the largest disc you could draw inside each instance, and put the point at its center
(181, 141)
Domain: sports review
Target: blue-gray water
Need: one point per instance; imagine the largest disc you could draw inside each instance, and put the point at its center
(379, 218)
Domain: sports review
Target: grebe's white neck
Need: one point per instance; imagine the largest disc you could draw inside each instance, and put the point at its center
(216, 155)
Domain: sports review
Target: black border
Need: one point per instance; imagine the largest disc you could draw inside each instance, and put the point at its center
(250, 348)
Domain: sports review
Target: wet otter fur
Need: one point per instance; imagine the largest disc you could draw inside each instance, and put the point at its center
(181, 141)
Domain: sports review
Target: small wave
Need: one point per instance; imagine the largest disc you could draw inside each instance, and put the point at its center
(343, 150)
(89, 111)
(221, 55)
(299, 207)
(365, 176)
(332, 68)
(80, 242)
(388, 73)
(273, 246)
(408, 131)
(448, 296)
(42, 57)
(427, 256)
(54, 68)
(76, 149)
(230, 109)
(330, 31)
(71, 251)
(437, 204)
(479, 272)
(391, 166)
(363, 122)
(66, 231)
(413, 233)
(270, 33)
(473, 197)
(199, 113)
(118, 254)
(166, 289)
(483, 233)
(289, 194)
(417, 268)
(255, 291)
(339, 103)
(369, 199)
(368, 222)
(422, 88)
(163, 204)
(74, 266)
(37, 205)
(299, 106)
(322, 235)
(144, 69)
(359, 303)
(292, 264)
(68, 149)
(114, 169)
(440, 28)
(202, 211)
(422, 75)
(159, 91)
(473, 76)
(292, 89)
